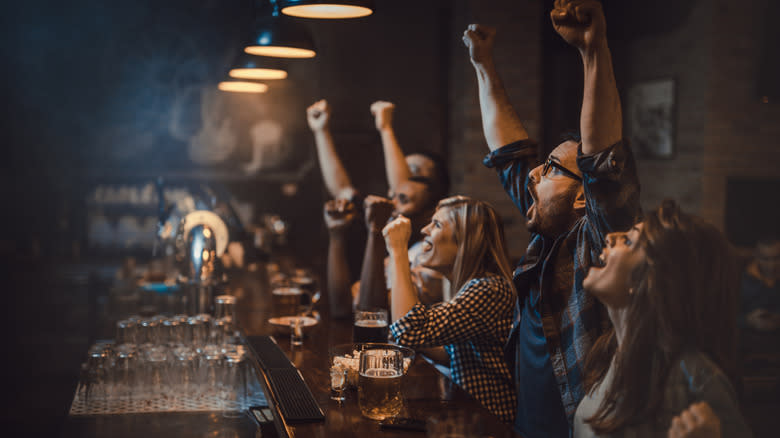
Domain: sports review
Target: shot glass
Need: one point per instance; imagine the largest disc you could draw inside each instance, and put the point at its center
(296, 331)
(338, 383)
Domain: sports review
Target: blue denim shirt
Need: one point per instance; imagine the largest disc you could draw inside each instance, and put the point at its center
(554, 269)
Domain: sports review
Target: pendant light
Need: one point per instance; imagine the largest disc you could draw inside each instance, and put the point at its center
(329, 9)
(257, 68)
(280, 36)
(243, 87)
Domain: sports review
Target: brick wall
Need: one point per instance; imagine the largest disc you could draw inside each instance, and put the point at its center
(721, 124)
(518, 59)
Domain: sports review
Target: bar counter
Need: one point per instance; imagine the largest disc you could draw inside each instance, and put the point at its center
(427, 393)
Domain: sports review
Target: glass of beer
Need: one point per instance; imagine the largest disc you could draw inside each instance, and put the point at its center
(379, 382)
(370, 326)
(287, 301)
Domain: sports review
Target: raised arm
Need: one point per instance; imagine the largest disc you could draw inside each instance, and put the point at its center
(333, 173)
(581, 23)
(403, 295)
(396, 168)
(500, 122)
(373, 287)
(339, 213)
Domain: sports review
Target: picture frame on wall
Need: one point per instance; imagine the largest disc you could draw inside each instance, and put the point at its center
(651, 117)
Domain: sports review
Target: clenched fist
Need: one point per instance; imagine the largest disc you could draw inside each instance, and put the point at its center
(397, 233)
(339, 213)
(318, 115)
(580, 23)
(383, 114)
(480, 40)
(698, 421)
(378, 210)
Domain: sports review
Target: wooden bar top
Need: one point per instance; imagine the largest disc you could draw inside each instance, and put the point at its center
(427, 393)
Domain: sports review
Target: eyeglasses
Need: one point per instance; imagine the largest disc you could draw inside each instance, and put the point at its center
(552, 163)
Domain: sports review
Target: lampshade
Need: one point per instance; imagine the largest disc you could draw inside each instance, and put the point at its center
(255, 67)
(280, 36)
(327, 8)
(243, 87)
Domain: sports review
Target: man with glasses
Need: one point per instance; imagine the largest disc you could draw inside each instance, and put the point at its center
(584, 190)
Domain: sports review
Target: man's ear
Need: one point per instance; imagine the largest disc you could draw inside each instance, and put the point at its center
(579, 200)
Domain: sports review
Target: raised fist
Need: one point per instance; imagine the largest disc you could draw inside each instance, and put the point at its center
(383, 114)
(479, 39)
(397, 233)
(318, 115)
(580, 23)
(339, 213)
(698, 421)
(378, 211)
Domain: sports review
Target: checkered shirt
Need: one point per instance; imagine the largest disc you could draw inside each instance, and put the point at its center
(571, 318)
(473, 328)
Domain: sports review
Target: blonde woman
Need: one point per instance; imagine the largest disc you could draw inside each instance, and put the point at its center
(465, 243)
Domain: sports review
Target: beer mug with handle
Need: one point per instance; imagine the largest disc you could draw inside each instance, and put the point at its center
(379, 382)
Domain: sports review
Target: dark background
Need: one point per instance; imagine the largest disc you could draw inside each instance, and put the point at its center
(106, 93)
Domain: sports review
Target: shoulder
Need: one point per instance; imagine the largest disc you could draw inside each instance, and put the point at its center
(491, 283)
(488, 280)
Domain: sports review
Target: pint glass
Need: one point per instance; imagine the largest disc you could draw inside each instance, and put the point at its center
(370, 326)
(379, 383)
(287, 301)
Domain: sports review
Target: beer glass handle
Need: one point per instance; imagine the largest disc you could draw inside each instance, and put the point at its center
(310, 300)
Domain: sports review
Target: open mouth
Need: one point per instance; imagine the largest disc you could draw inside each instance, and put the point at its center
(427, 245)
(532, 209)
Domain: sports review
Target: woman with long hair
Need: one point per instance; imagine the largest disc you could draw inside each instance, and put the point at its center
(670, 286)
(465, 243)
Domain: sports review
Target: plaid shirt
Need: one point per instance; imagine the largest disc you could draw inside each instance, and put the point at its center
(571, 318)
(473, 328)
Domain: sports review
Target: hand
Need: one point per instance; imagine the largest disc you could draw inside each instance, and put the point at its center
(318, 115)
(339, 213)
(698, 421)
(580, 23)
(763, 320)
(383, 114)
(397, 233)
(378, 211)
(480, 40)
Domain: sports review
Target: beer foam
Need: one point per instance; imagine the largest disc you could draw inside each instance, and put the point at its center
(371, 323)
(381, 373)
(287, 291)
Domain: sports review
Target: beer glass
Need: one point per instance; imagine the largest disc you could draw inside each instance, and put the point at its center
(370, 326)
(379, 382)
(156, 375)
(126, 332)
(184, 371)
(125, 372)
(182, 334)
(287, 301)
(225, 306)
(234, 386)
